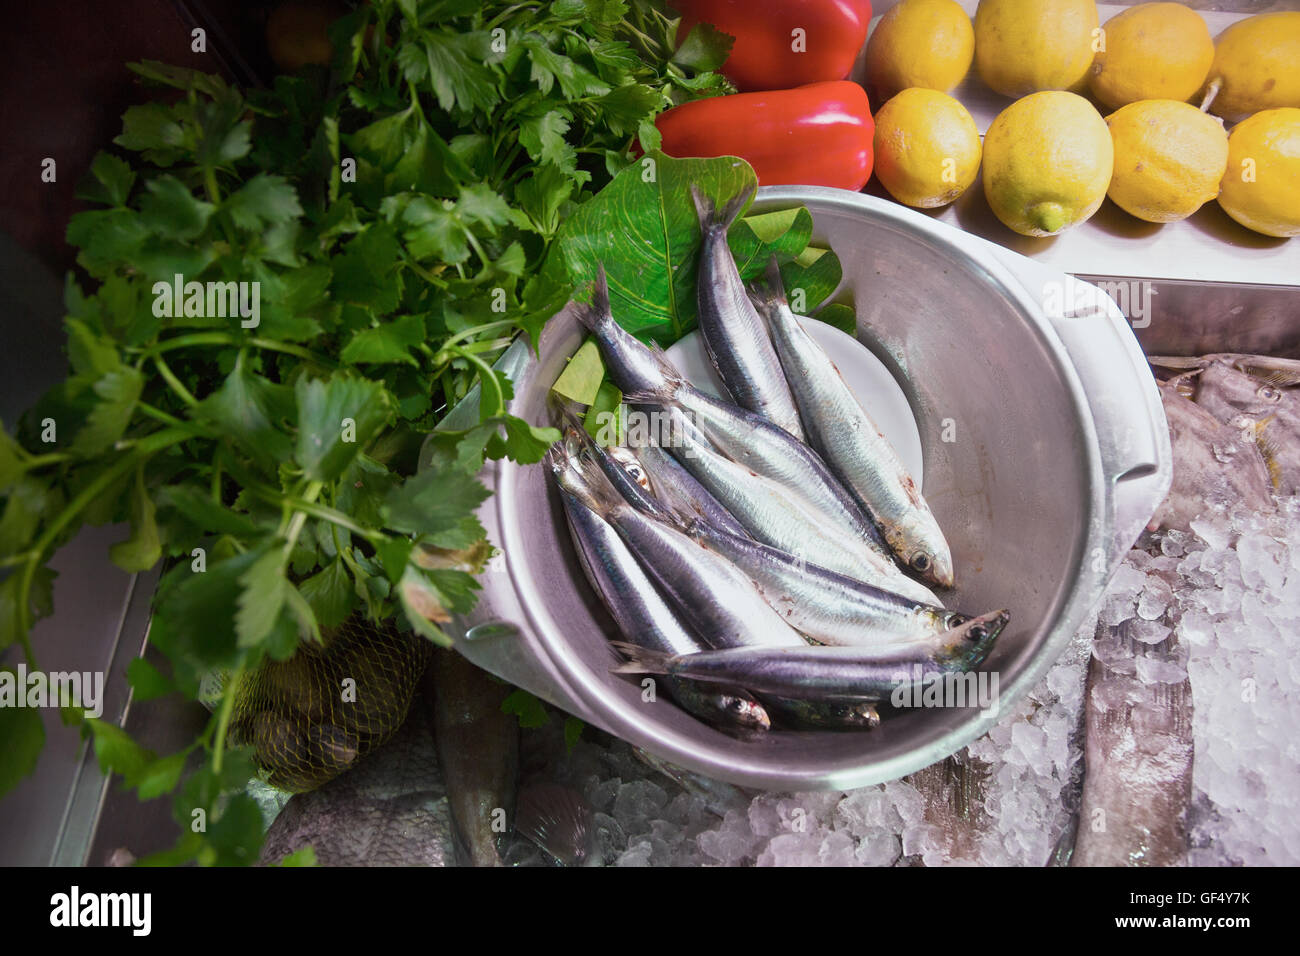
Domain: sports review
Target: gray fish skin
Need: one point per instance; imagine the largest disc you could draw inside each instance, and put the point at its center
(715, 600)
(391, 809)
(828, 607)
(777, 516)
(1263, 413)
(1213, 465)
(647, 377)
(827, 673)
(478, 748)
(733, 332)
(664, 472)
(853, 446)
(643, 617)
(755, 442)
(1137, 783)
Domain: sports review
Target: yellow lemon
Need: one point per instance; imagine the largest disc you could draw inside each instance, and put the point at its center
(926, 43)
(1047, 163)
(927, 148)
(1154, 51)
(1022, 46)
(1261, 189)
(1169, 159)
(1257, 65)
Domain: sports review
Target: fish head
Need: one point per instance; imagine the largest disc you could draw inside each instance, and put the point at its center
(742, 713)
(1222, 388)
(930, 561)
(970, 642)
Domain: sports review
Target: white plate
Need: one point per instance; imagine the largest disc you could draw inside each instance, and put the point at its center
(867, 377)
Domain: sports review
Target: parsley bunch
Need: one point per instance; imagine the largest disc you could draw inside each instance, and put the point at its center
(394, 212)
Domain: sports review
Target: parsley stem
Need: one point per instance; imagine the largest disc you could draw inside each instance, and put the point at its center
(478, 330)
(309, 496)
(223, 719)
(165, 371)
(143, 448)
(488, 376)
(159, 415)
(40, 461)
(316, 510)
(225, 338)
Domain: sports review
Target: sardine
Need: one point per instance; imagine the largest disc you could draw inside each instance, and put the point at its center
(733, 332)
(826, 606)
(827, 673)
(1137, 783)
(644, 617)
(753, 441)
(852, 445)
(1280, 372)
(1212, 465)
(646, 377)
(774, 514)
(1263, 413)
(714, 599)
(478, 749)
(651, 480)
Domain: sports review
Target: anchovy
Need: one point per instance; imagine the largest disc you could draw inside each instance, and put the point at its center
(651, 480)
(716, 600)
(645, 618)
(646, 377)
(733, 332)
(777, 516)
(827, 673)
(828, 607)
(856, 450)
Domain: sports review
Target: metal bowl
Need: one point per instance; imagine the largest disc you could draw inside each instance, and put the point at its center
(1045, 453)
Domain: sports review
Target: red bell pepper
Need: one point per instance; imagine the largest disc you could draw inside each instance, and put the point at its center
(768, 53)
(815, 135)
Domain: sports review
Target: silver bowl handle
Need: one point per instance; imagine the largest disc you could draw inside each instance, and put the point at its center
(1132, 432)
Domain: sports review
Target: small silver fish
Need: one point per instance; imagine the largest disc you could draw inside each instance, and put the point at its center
(828, 673)
(733, 332)
(828, 607)
(852, 445)
(774, 514)
(645, 618)
(712, 597)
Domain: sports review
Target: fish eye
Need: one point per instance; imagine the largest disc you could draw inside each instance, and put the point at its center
(1269, 394)
(921, 562)
(978, 633)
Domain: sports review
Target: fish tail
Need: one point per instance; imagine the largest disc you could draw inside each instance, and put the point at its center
(593, 316)
(715, 219)
(769, 293)
(640, 660)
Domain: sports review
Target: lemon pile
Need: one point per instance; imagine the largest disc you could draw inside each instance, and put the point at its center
(1050, 159)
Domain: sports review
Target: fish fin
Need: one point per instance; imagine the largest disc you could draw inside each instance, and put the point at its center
(1268, 449)
(639, 660)
(597, 312)
(558, 819)
(714, 218)
(1177, 361)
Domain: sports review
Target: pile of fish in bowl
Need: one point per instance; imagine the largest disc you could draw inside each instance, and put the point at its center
(769, 558)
